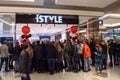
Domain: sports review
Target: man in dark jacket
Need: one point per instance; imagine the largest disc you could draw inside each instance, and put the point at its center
(24, 63)
(117, 53)
(17, 51)
(92, 49)
(38, 51)
(111, 52)
(51, 55)
(104, 55)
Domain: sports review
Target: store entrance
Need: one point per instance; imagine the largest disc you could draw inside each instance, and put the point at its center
(45, 26)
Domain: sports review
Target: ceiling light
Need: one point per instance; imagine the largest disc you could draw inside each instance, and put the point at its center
(82, 31)
(110, 15)
(56, 1)
(112, 25)
(22, 0)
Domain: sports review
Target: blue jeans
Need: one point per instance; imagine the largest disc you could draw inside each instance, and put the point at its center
(104, 61)
(69, 66)
(51, 64)
(98, 66)
(27, 78)
(77, 65)
(86, 64)
(6, 63)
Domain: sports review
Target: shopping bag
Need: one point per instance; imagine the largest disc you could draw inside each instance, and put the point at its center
(63, 67)
(108, 59)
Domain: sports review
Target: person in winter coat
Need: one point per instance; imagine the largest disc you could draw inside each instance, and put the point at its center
(111, 52)
(4, 55)
(11, 51)
(87, 55)
(98, 59)
(24, 63)
(76, 60)
(17, 51)
(117, 53)
(104, 55)
(67, 56)
(51, 56)
(38, 52)
(80, 48)
(59, 57)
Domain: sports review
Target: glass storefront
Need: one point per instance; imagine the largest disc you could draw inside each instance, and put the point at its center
(7, 27)
(112, 34)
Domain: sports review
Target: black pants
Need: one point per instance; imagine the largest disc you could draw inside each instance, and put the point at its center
(11, 62)
(81, 61)
(104, 62)
(77, 64)
(116, 58)
(93, 59)
(59, 66)
(6, 63)
(39, 65)
(111, 59)
(33, 65)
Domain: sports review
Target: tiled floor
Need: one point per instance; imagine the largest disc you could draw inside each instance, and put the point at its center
(109, 74)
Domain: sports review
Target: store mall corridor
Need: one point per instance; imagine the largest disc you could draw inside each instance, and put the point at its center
(109, 74)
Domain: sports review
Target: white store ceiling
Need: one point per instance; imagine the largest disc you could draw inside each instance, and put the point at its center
(44, 29)
(23, 2)
(20, 0)
(86, 3)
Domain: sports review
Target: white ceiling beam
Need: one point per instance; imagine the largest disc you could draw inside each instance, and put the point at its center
(20, 0)
(8, 9)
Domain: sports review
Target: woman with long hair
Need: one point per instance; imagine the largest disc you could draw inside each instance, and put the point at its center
(98, 59)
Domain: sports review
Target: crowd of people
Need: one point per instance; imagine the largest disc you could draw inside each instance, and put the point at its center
(72, 55)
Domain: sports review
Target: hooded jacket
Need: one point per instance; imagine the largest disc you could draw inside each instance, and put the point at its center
(87, 52)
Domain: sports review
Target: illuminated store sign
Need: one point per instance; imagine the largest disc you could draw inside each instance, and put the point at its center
(47, 19)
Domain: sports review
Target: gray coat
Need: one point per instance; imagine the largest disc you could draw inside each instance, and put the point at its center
(4, 51)
(24, 62)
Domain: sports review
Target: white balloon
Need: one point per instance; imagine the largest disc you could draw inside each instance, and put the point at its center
(72, 35)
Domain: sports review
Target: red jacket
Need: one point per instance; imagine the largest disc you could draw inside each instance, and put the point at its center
(87, 52)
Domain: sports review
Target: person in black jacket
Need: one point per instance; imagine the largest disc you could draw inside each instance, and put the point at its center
(92, 49)
(38, 51)
(51, 55)
(104, 55)
(24, 63)
(11, 51)
(17, 50)
(117, 53)
(111, 52)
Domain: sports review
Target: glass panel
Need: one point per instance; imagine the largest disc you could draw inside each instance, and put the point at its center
(7, 25)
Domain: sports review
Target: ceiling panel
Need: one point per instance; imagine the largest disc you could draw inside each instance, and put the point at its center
(86, 3)
(111, 21)
(84, 19)
(22, 2)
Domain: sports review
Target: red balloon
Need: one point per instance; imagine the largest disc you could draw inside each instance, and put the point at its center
(21, 40)
(25, 30)
(74, 29)
(77, 35)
